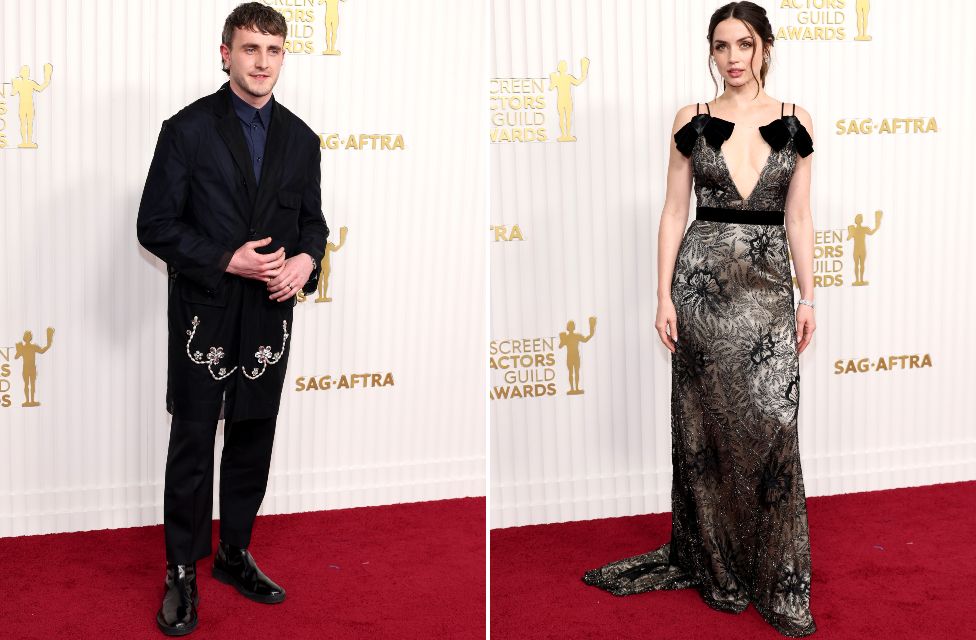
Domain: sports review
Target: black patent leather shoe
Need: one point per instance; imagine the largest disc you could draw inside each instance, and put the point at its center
(178, 614)
(235, 566)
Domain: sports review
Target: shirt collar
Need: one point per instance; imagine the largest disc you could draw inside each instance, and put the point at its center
(246, 112)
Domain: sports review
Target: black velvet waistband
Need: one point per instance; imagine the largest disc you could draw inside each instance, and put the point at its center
(739, 216)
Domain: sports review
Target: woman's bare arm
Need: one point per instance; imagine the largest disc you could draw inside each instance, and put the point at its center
(674, 219)
(799, 232)
(677, 200)
(799, 220)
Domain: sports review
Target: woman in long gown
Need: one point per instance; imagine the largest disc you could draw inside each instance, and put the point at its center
(739, 523)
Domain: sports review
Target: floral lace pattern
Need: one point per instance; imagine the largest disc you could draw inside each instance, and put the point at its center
(739, 521)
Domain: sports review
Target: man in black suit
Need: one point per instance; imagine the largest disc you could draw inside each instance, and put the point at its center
(232, 204)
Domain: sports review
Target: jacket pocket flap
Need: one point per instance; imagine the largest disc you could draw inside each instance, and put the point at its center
(289, 199)
(195, 294)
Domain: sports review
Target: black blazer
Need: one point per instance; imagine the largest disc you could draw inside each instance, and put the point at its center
(228, 343)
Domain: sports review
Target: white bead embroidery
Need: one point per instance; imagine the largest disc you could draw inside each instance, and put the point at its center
(264, 355)
(216, 354)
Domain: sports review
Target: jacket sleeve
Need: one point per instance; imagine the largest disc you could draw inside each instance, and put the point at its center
(160, 226)
(313, 231)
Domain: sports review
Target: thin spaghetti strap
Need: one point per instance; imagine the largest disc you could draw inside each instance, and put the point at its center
(782, 105)
(794, 108)
(709, 110)
(697, 108)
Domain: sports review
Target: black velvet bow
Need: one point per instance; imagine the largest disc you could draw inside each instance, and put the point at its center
(716, 132)
(778, 132)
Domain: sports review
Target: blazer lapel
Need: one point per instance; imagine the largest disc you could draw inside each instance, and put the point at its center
(274, 158)
(229, 128)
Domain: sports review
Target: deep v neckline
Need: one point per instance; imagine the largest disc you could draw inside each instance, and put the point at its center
(728, 172)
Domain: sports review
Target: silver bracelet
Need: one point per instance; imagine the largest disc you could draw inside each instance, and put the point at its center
(809, 303)
(313, 262)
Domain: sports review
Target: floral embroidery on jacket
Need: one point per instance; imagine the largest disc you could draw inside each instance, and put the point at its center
(213, 357)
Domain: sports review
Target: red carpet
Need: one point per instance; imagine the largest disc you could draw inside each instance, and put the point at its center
(886, 564)
(400, 571)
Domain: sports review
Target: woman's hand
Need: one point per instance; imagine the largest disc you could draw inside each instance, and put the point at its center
(805, 326)
(667, 324)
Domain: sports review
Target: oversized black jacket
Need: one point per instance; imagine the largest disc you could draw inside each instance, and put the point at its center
(228, 342)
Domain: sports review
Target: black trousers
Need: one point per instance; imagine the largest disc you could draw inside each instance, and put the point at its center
(188, 493)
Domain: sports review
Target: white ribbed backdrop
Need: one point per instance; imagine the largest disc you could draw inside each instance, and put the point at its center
(409, 286)
(589, 211)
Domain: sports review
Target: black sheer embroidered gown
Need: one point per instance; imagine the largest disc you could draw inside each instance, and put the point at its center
(739, 522)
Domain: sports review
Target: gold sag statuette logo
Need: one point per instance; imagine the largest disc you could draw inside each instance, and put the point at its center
(303, 23)
(518, 105)
(823, 20)
(26, 351)
(862, 7)
(571, 341)
(563, 83)
(24, 88)
(331, 26)
(829, 254)
(326, 268)
(528, 365)
(858, 232)
(504, 233)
